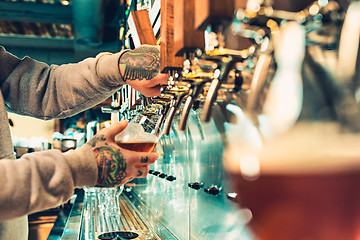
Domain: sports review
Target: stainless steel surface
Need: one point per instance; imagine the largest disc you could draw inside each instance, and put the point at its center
(72, 228)
(187, 192)
(189, 159)
(62, 218)
(94, 222)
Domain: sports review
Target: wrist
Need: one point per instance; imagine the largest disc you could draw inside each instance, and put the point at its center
(83, 165)
(107, 69)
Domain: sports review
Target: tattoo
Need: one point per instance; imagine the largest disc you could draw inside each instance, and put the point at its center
(112, 167)
(96, 139)
(139, 173)
(141, 63)
(144, 159)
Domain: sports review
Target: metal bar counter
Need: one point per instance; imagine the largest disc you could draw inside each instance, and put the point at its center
(80, 223)
(185, 196)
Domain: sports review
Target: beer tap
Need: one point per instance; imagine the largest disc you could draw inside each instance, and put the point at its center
(215, 20)
(176, 94)
(252, 20)
(115, 107)
(194, 91)
(260, 22)
(196, 79)
(179, 39)
(164, 103)
(124, 102)
(220, 76)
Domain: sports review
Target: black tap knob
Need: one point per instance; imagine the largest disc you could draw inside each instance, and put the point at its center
(196, 185)
(162, 175)
(156, 173)
(213, 190)
(151, 171)
(170, 178)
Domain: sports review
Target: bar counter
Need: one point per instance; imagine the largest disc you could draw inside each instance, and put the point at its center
(71, 225)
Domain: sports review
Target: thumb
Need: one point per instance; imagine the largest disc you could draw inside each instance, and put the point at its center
(116, 128)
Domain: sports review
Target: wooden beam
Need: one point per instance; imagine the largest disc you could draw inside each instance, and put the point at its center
(213, 12)
(168, 60)
(186, 37)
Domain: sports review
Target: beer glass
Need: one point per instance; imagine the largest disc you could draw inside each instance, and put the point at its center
(140, 134)
(109, 210)
(294, 159)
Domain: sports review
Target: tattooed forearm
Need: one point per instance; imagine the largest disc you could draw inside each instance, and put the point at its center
(96, 139)
(141, 63)
(112, 167)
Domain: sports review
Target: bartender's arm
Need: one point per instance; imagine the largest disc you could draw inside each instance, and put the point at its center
(42, 180)
(32, 88)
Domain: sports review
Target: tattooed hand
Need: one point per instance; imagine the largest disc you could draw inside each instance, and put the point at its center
(140, 69)
(116, 165)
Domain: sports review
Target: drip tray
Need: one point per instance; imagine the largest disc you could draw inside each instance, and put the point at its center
(132, 224)
(132, 221)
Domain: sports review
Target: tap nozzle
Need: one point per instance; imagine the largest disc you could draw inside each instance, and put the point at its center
(220, 75)
(177, 98)
(195, 89)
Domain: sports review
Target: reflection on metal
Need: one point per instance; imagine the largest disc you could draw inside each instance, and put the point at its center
(72, 228)
(131, 220)
(187, 194)
(169, 197)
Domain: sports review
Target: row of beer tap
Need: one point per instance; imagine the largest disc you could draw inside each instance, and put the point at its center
(205, 67)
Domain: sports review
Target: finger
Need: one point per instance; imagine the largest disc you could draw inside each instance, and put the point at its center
(115, 129)
(146, 159)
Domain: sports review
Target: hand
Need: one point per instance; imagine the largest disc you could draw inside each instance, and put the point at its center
(116, 165)
(140, 69)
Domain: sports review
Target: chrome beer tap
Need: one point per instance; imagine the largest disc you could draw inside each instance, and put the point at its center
(115, 107)
(163, 105)
(176, 95)
(196, 75)
(230, 63)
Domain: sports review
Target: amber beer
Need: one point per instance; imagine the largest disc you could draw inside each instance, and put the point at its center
(301, 207)
(307, 186)
(137, 146)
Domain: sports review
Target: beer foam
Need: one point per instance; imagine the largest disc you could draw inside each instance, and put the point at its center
(308, 148)
(135, 132)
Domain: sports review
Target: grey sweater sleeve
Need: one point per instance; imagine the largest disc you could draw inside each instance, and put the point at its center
(43, 180)
(35, 89)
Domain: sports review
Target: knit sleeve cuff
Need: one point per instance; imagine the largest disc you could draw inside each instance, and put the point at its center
(108, 68)
(83, 166)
